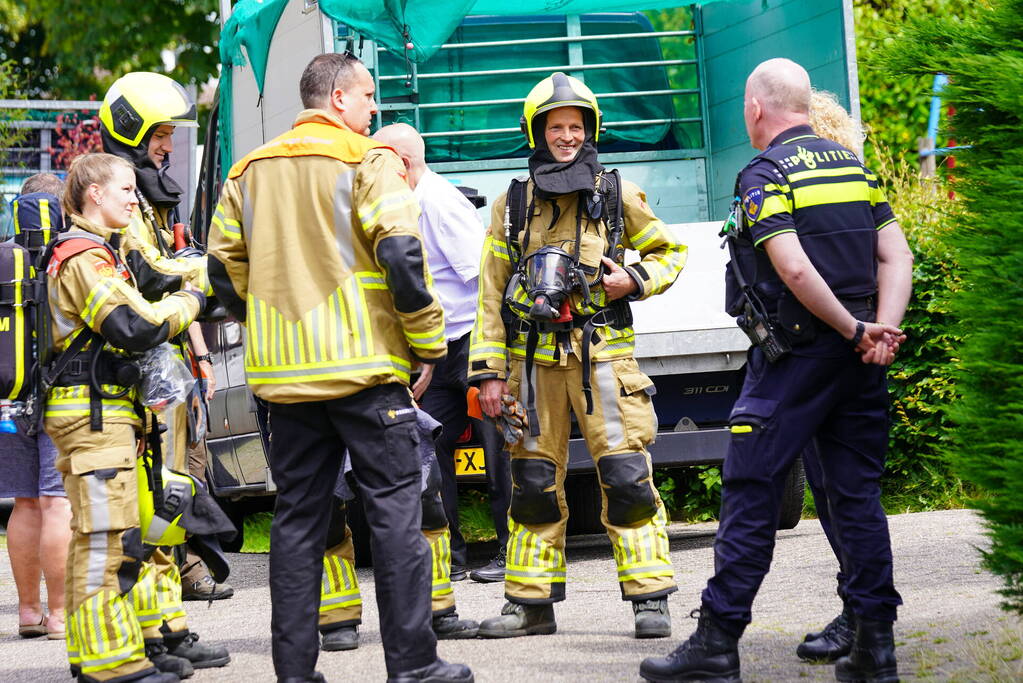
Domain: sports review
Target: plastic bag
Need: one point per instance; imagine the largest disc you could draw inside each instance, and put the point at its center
(166, 379)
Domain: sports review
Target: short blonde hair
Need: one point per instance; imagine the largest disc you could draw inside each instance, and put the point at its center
(98, 168)
(830, 120)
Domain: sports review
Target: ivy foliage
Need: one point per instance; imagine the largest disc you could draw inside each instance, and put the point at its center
(983, 55)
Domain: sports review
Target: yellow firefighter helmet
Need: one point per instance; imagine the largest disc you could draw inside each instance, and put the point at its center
(141, 100)
(559, 90)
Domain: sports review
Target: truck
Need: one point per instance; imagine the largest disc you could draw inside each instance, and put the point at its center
(670, 84)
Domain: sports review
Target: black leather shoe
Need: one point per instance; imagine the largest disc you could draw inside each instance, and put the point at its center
(492, 572)
(872, 657)
(438, 672)
(156, 652)
(459, 572)
(831, 643)
(450, 627)
(710, 654)
(186, 644)
(314, 677)
(344, 638)
(520, 620)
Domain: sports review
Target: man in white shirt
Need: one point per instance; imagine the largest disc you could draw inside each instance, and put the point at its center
(453, 235)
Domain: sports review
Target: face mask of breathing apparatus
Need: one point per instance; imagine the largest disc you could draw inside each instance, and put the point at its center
(549, 275)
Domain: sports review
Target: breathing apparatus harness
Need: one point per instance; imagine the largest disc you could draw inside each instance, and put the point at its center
(551, 274)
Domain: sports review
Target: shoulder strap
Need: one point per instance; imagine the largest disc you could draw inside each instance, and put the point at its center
(516, 208)
(68, 245)
(615, 216)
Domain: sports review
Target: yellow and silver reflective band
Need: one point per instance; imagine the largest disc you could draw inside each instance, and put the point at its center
(168, 593)
(340, 586)
(643, 552)
(389, 201)
(532, 560)
(228, 227)
(74, 402)
(98, 295)
(440, 562)
(330, 370)
(498, 248)
(144, 599)
(105, 633)
(431, 339)
(20, 275)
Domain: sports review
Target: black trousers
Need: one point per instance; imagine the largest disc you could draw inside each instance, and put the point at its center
(378, 426)
(445, 401)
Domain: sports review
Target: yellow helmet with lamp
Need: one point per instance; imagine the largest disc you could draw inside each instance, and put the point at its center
(559, 90)
(141, 100)
(162, 502)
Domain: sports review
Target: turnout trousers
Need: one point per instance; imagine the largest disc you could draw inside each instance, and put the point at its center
(378, 427)
(104, 638)
(445, 401)
(340, 599)
(616, 433)
(834, 397)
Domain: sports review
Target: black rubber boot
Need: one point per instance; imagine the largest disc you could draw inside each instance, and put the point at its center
(520, 620)
(872, 658)
(344, 638)
(710, 654)
(831, 643)
(314, 677)
(450, 627)
(652, 618)
(438, 672)
(156, 652)
(185, 644)
(493, 572)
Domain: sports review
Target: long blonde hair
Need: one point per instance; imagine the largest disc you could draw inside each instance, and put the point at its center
(85, 170)
(830, 120)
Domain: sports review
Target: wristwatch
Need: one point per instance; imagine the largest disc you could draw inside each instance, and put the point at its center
(858, 337)
(204, 357)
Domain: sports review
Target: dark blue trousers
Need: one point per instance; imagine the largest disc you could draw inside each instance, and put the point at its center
(824, 392)
(815, 480)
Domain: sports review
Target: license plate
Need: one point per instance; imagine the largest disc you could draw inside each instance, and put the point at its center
(469, 461)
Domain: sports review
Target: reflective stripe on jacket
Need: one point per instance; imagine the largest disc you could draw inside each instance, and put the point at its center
(662, 259)
(301, 250)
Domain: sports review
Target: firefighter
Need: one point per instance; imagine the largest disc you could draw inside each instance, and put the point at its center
(315, 248)
(340, 600)
(93, 302)
(553, 269)
(137, 118)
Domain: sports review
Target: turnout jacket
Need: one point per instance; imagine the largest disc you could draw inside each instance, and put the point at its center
(315, 246)
(92, 289)
(148, 247)
(554, 223)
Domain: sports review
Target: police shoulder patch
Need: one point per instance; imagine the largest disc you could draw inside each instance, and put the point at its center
(752, 202)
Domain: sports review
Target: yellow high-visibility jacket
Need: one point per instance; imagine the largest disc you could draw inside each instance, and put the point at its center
(315, 246)
(89, 289)
(662, 259)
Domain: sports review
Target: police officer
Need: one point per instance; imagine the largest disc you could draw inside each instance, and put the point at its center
(93, 301)
(830, 260)
(557, 251)
(314, 246)
(137, 117)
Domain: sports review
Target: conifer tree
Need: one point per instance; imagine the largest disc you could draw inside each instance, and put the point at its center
(982, 53)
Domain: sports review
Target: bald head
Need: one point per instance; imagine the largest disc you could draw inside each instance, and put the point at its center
(777, 98)
(403, 138)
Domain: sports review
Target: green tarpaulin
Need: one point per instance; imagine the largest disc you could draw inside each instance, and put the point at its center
(392, 24)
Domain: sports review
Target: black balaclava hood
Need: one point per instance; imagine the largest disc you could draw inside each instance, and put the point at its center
(553, 177)
(155, 185)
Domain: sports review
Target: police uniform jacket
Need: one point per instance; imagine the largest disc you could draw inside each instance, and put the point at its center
(819, 190)
(554, 223)
(92, 289)
(315, 245)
